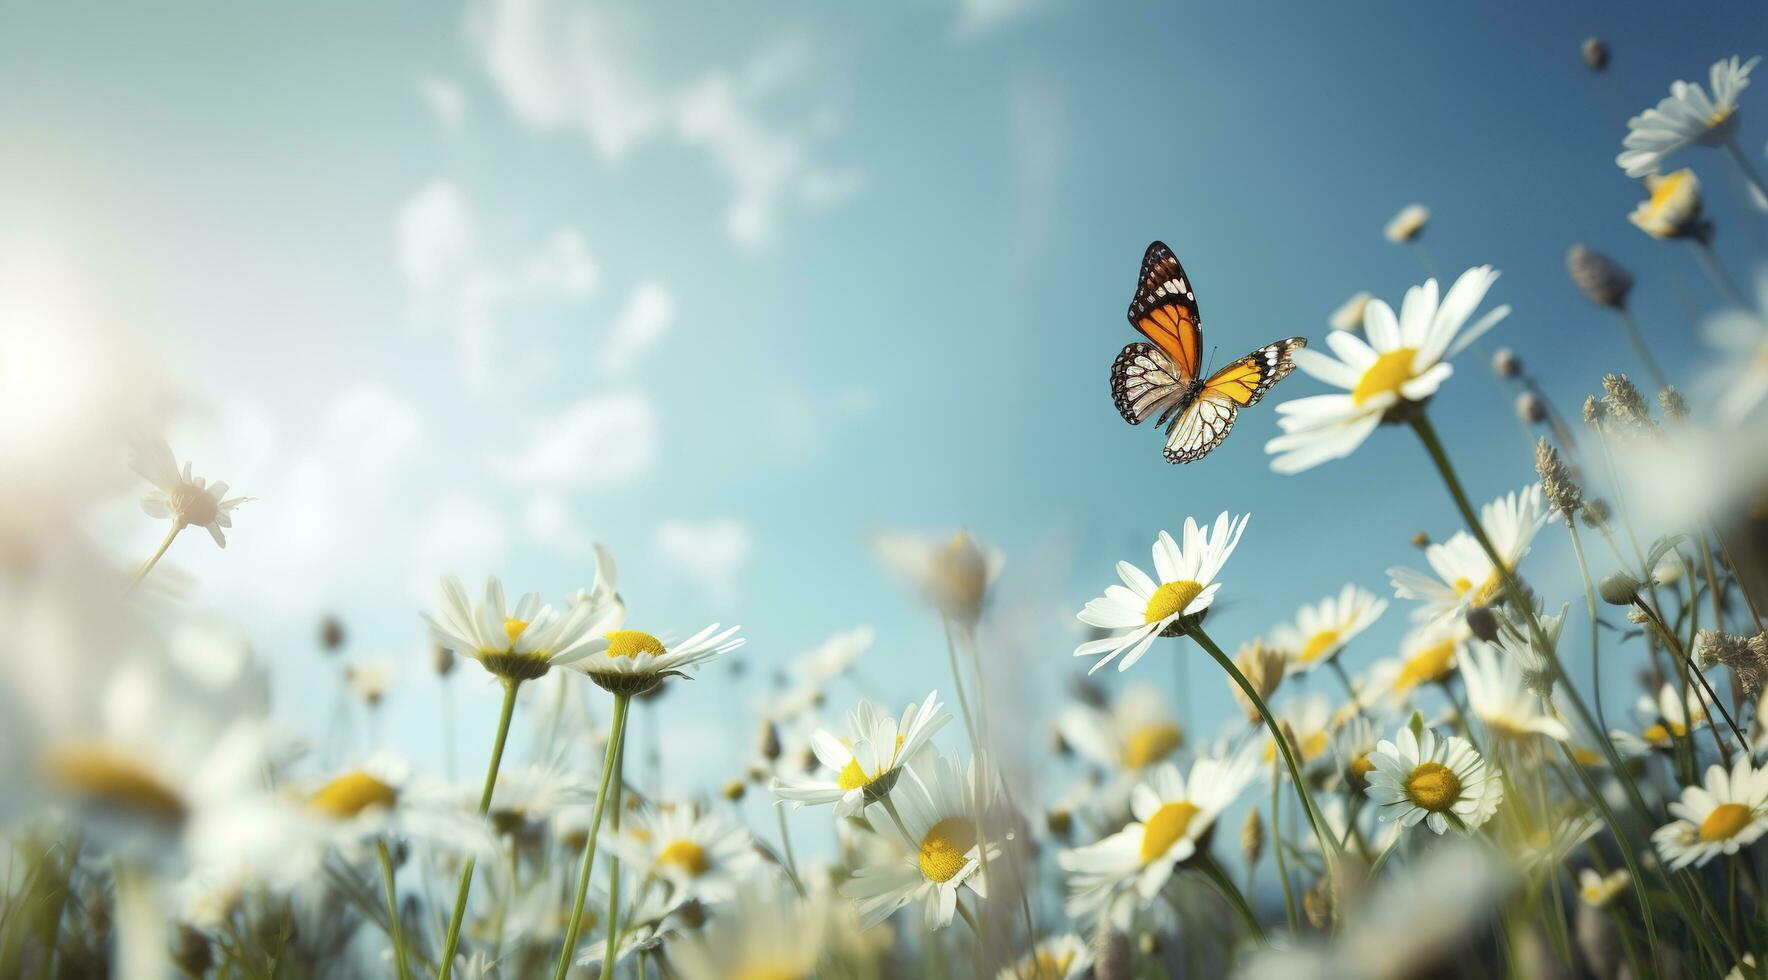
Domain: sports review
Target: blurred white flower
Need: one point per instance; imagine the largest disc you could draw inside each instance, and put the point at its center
(1350, 315)
(1404, 360)
(1142, 609)
(1498, 696)
(1408, 224)
(1127, 736)
(1428, 654)
(1172, 813)
(1688, 116)
(1465, 576)
(1597, 890)
(868, 763)
(1673, 208)
(1723, 815)
(953, 576)
(701, 856)
(177, 496)
(1324, 628)
(1063, 957)
(939, 844)
(1741, 337)
(380, 800)
(1670, 716)
(836, 655)
(766, 932)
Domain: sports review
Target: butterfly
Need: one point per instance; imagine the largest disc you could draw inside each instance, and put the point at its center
(1162, 378)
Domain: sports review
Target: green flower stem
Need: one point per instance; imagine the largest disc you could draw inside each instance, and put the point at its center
(1277, 848)
(1636, 337)
(786, 846)
(1716, 271)
(1688, 666)
(611, 951)
(1213, 871)
(1328, 842)
(466, 874)
(1744, 167)
(398, 932)
(1434, 447)
(1571, 526)
(154, 559)
(616, 735)
(1345, 678)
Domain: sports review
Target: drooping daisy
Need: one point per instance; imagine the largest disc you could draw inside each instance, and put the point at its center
(1673, 717)
(702, 856)
(952, 576)
(1064, 957)
(518, 645)
(1725, 814)
(768, 932)
(1427, 778)
(1142, 609)
(1597, 890)
(1408, 224)
(1498, 695)
(1172, 813)
(633, 662)
(1350, 315)
(1309, 720)
(1673, 209)
(1465, 577)
(185, 500)
(370, 681)
(865, 766)
(1403, 360)
(1688, 116)
(1129, 735)
(1323, 629)
(939, 845)
(1428, 655)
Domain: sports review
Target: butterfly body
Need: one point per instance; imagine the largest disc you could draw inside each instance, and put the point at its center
(1162, 380)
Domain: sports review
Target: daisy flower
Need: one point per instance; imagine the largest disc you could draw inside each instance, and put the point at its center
(1464, 576)
(1133, 733)
(633, 662)
(380, 800)
(1309, 720)
(952, 576)
(1674, 716)
(865, 766)
(1064, 957)
(370, 681)
(939, 847)
(177, 496)
(1724, 815)
(766, 932)
(1408, 224)
(1142, 609)
(1172, 813)
(1428, 655)
(1499, 697)
(701, 856)
(1403, 361)
(520, 644)
(1673, 209)
(1353, 742)
(1323, 629)
(1687, 117)
(1597, 890)
(1425, 778)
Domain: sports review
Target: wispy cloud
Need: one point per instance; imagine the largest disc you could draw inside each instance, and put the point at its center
(711, 553)
(447, 102)
(643, 321)
(598, 440)
(572, 67)
(981, 16)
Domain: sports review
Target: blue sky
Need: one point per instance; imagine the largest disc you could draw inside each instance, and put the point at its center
(729, 287)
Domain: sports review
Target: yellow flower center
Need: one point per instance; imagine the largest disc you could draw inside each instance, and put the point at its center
(1317, 644)
(1719, 116)
(102, 775)
(1171, 599)
(1046, 966)
(513, 627)
(1487, 589)
(1149, 744)
(1433, 786)
(350, 794)
(686, 855)
(1386, 375)
(852, 776)
(1361, 766)
(194, 505)
(1725, 822)
(1164, 829)
(1429, 664)
(631, 643)
(1667, 188)
(945, 849)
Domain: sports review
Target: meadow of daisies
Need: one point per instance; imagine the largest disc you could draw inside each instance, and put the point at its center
(1477, 802)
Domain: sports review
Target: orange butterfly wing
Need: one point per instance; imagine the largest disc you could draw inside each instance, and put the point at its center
(1165, 309)
(1245, 381)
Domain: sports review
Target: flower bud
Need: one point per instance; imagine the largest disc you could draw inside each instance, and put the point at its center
(1530, 408)
(769, 740)
(734, 790)
(1595, 51)
(1595, 514)
(1506, 363)
(1408, 224)
(331, 634)
(1252, 836)
(441, 660)
(1618, 589)
(1421, 540)
(1483, 623)
(1598, 277)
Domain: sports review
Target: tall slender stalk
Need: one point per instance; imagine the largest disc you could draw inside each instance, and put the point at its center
(611, 952)
(616, 735)
(1746, 168)
(1213, 871)
(397, 931)
(1636, 338)
(1571, 526)
(466, 873)
(154, 559)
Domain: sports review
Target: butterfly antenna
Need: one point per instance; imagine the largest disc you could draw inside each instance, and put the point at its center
(1209, 366)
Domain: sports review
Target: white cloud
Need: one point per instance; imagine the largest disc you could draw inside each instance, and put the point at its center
(552, 525)
(981, 16)
(459, 535)
(569, 67)
(453, 279)
(640, 323)
(1037, 116)
(598, 440)
(445, 99)
(709, 552)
